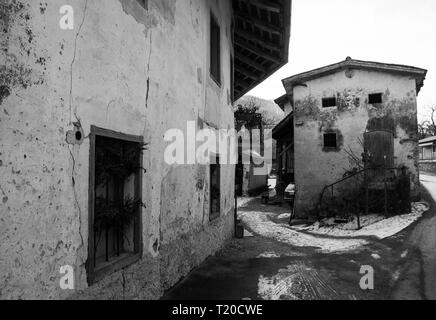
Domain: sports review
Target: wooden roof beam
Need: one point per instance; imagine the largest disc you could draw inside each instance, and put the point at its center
(242, 83)
(259, 23)
(265, 4)
(246, 72)
(250, 62)
(264, 43)
(257, 51)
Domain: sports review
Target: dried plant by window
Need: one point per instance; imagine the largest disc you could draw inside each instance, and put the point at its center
(117, 163)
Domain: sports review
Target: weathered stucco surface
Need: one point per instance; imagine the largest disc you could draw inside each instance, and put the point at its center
(136, 72)
(315, 167)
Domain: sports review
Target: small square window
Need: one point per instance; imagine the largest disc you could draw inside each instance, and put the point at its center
(375, 98)
(330, 140)
(329, 102)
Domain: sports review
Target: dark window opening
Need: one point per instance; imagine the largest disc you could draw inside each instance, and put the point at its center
(375, 98)
(78, 136)
(143, 3)
(330, 140)
(232, 79)
(215, 49)
(215, 190)
(329, 102)
(115, 202)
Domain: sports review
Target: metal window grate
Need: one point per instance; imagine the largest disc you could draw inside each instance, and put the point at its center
(115, 195)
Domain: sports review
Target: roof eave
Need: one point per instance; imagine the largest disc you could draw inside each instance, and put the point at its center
(281, 101)
(418, 73)
(278, 130)
(287, 9)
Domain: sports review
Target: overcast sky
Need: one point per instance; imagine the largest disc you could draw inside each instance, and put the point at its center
(392, 31)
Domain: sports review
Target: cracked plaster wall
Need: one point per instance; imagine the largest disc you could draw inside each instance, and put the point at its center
(315, 167)
(118, 70)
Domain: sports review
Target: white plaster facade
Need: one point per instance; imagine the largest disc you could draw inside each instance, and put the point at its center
(316, 168)
(122, 68)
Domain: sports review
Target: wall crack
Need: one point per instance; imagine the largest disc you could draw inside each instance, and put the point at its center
(123, 283)
(148, 69)
(76, 200)
(74, 59)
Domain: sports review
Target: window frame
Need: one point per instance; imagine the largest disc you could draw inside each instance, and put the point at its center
(94, 275)
(232, 78)
(324, 140)
(214, 24)
(378, 94)
(214, 215)
(143, 3)
(329, 99)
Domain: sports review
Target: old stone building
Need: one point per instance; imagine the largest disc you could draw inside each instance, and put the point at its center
(87, 94)
(427, 148)
(343, 109)
(427, 155)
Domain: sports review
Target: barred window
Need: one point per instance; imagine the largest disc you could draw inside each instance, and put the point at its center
(115, 202)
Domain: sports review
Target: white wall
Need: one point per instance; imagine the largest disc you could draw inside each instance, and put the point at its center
(315, 168)
(124, 69)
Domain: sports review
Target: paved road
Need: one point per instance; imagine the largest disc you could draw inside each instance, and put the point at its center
(261, 268)
(418, 279)
(428, 180)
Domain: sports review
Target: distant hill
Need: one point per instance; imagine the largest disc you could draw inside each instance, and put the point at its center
(271, 112)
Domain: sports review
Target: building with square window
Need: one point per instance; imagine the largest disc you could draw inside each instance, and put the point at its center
(427, 155)
(341, 112)
(427, 149)
(88, 92)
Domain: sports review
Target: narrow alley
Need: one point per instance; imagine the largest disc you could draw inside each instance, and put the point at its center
(418, 280)
(173, 150)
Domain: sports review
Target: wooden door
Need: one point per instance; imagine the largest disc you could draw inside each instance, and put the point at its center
(379, 147)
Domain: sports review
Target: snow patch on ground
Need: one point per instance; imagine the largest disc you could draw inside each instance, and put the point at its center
(372, 225)
(278, 286)
(268, 255)
(284, 216)
(248, 234)
(244, 201)
(327, 236)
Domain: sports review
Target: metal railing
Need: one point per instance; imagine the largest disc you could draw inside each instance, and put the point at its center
(375, 189)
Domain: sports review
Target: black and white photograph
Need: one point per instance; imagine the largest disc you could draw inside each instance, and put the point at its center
(216, 156)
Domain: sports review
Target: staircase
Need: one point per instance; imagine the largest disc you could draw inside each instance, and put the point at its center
(375, 190)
